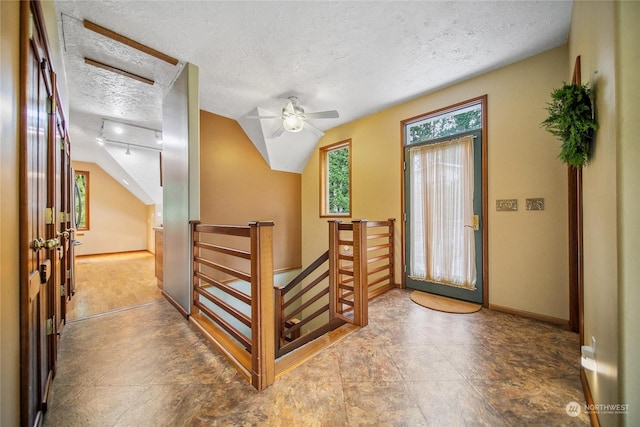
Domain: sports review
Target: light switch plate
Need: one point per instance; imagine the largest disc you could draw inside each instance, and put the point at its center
(507, 205)
(535, 204)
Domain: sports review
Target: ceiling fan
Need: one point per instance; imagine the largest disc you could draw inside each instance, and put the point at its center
(294, 119)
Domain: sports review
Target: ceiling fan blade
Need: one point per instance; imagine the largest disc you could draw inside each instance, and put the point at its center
(333, 114)
(278, 132)
(262, 117)
(317, 132)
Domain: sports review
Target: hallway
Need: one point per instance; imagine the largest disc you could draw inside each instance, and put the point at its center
(110, 282)
(147, 366)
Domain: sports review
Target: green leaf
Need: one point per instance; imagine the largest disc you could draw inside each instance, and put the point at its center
(571, 120)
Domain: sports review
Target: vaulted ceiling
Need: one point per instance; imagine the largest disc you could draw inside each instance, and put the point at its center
(357, 57)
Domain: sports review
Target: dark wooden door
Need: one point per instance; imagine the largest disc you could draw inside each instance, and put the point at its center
(39, 200)
(56, 234)
(66, 230)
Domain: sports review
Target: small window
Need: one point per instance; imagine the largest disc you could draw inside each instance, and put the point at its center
(444, 123)
(335, 179)
(81, 200)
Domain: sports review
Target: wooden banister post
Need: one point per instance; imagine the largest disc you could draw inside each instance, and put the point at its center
(360, 279)
(262, 305)
(392, 256)
(333, 267)
(278, 318)
(195, 236)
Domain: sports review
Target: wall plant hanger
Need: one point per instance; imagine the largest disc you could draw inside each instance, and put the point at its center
(571, 119)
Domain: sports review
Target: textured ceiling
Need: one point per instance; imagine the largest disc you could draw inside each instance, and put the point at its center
(357, 57)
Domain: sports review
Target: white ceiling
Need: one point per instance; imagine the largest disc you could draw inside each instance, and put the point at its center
(357, 57)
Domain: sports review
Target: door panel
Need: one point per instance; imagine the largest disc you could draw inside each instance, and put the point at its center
(65, 220)
(54, 230)
(38, 234)
(475, 295)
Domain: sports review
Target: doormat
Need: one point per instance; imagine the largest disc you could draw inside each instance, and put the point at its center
(439, 303)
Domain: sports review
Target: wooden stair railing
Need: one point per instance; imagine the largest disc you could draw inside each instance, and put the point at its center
(373, 241)
(304, 302)
(239, 324)
(252, 323)
(348, 270)
(380, 257)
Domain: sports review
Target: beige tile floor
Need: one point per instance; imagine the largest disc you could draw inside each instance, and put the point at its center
(411, 366)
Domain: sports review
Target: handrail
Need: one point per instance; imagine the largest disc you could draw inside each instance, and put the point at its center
(230, 230)
(303, 303)
(317, 263)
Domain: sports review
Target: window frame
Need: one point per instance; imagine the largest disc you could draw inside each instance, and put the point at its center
(444, 113)
(324, 178)
(86, 198)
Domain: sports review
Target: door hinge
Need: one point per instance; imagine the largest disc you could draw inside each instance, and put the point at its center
(68, 275)
(50, 326)
(48, 216)
(62, 217)
(404, 217)
(63, 291)
(51, 106)
(404, 166)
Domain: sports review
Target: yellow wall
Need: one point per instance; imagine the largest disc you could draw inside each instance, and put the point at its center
(117, 219)
(627, 95)
(237, 186)
(592, 37)
(527, 250)
(9, 262)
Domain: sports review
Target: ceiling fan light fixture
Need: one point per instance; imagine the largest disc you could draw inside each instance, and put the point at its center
(293, 123)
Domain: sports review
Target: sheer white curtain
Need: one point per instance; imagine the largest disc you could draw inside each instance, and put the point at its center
(442, 244)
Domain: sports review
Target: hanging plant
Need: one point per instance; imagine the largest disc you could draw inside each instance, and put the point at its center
(571, 119)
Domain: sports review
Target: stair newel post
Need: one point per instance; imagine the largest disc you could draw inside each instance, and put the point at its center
(195, 237)
(262, 305)
(392, 256)
(334, 237)
(360, 287)
(279, 318)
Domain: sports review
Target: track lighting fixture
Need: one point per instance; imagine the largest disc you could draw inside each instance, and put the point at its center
(100, 138)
